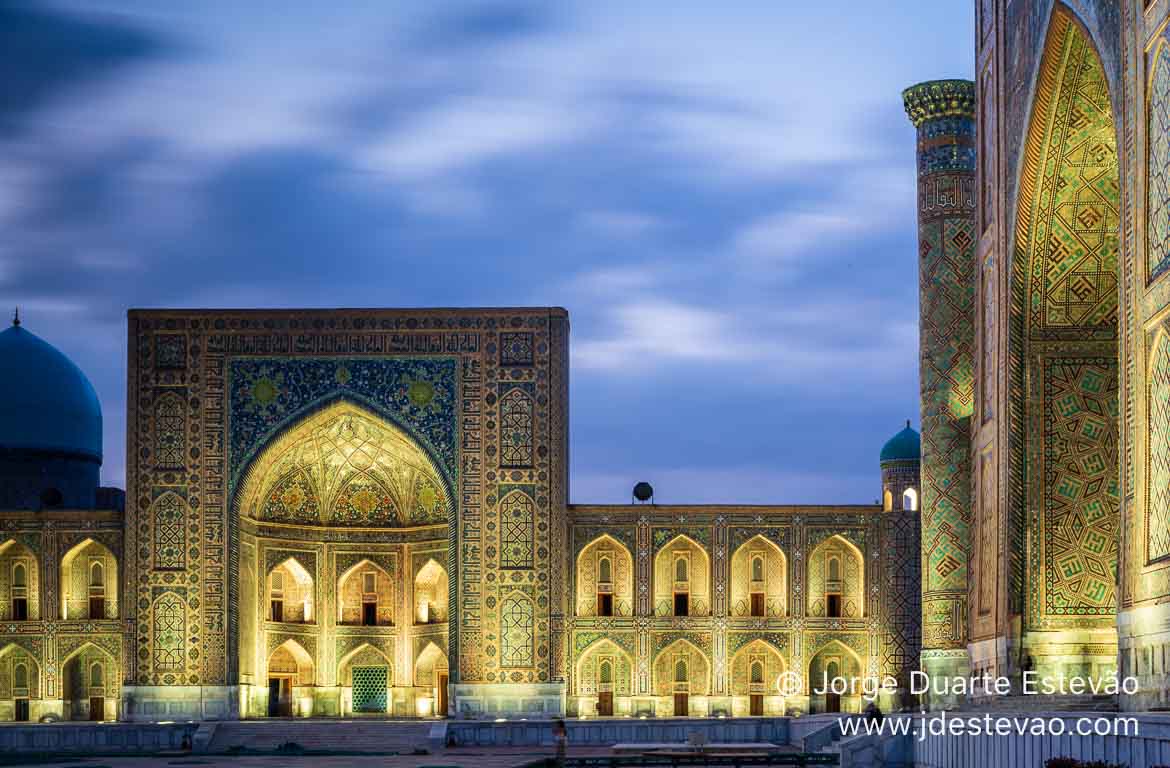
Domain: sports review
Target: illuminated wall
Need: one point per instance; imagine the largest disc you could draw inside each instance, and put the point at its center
(1071, 473)
(1064, 334)
(453, 453)
(779, 554)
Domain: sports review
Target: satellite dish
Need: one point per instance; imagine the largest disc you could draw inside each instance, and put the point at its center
(643, 491)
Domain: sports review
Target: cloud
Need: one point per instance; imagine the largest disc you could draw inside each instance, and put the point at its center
(799, 344)
(42, 53)
(620, 225)
(461, 134)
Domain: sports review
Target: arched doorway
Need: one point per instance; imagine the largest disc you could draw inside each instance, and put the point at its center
(89, 684)
(755, 669)
(289, 667)
(604, 679)
(835, 671)
(682, 672)
(431, 677)
(342, 521)
(1064, 370)
(21, 673)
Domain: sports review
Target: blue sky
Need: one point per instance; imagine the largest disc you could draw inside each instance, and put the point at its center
(721, 195)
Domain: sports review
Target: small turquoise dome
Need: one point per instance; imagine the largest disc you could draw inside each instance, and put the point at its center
(904, 446)
(46, 402)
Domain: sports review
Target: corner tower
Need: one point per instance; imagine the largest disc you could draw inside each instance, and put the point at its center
(943, 111)
(901, 471)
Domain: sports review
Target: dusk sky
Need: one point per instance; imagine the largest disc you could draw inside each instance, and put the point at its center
(721, 194)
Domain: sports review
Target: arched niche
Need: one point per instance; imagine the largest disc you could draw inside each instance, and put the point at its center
(365, 596)
(759, 579)
(682, 659)
(755, 673)
(1062, 341)
(290, 593)
(835, 665)
(90, 684)
(605, 578)
(836, 579)
(682, 578)
(344, 466)
(430, 593)
(605, 667)
(20, 683)
(367, 674)
(19, 582)
(89, 582)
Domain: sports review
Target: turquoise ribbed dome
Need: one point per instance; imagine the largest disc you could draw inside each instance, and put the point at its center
(46, 402)
(904, 446)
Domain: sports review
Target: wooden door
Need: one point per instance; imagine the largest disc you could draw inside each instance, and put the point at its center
(441, 695)
(682, 705)
(274, 697)
(832, 702)
(605, 604)
(757, 705)
(97, 607)
(605, 704)
(97, 708)
(757, 604)
(21, 715)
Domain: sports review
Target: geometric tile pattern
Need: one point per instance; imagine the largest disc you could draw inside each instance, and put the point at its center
(516, 429)
(516, 632)
(1080, 486)
(1158, 496)
(1158, 211)
(1065, 310)
(516, 520)
(343, 465)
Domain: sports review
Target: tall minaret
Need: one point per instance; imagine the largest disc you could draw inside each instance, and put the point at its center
(943, 111)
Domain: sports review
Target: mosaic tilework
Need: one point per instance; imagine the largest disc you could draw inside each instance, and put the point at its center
(343, 465)
(1158, 493)
(944, 114)
(268, 393)
(516, 625)
(1064, 329)
(1069, 210)
(1158, 185)
(435, 374)
(1080, 486)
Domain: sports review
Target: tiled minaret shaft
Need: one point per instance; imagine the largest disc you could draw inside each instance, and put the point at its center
(943, 111)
